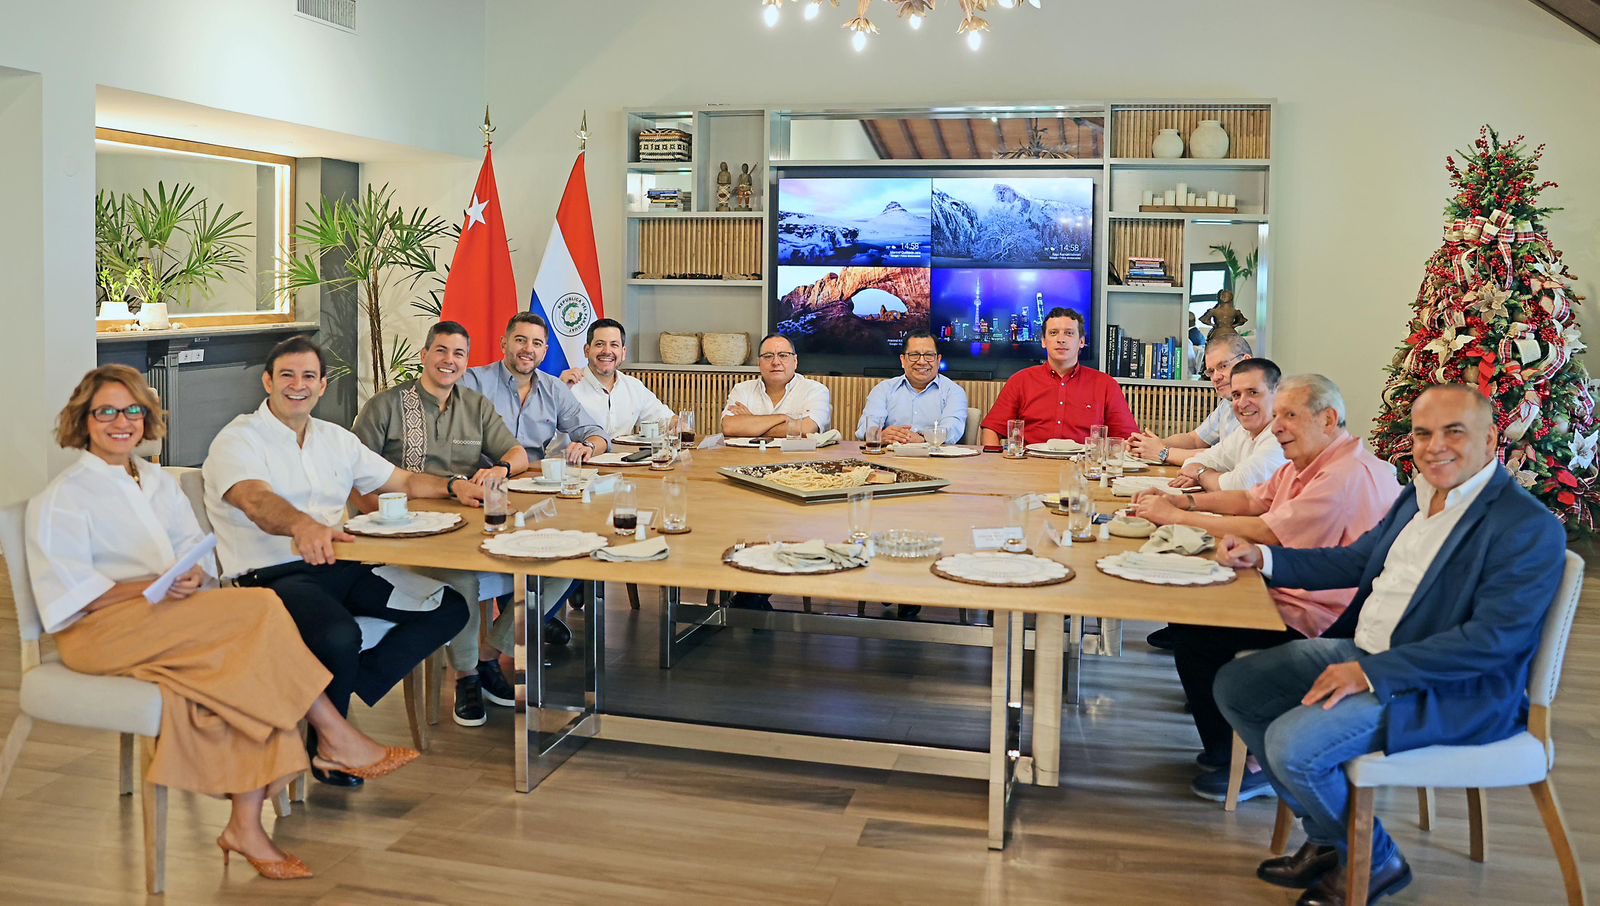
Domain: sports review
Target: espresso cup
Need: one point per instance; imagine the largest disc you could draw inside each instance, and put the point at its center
(392, 507)
(650, 430)
(553, 469)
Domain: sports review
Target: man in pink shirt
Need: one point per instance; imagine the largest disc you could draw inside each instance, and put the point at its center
(1331, 492)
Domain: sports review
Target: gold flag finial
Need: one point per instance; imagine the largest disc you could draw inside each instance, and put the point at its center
(487, 128)
(583, 132)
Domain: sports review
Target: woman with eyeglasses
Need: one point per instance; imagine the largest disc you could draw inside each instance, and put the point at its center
(235, 678)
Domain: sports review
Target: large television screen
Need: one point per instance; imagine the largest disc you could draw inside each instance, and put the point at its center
(862, 261)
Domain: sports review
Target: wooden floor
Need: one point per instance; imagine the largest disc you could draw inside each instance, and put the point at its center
(630, 824)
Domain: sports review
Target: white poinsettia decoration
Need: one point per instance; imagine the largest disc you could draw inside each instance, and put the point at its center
(1488, 300)
(1583, 450)
(1525, 478)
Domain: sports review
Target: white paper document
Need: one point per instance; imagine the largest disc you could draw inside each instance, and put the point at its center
(159, 588)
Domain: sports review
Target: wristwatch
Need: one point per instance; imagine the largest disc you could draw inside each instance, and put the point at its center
(1191, 502)
(1202, 471)
(1162, 456)
(450, 486)
(502, 464)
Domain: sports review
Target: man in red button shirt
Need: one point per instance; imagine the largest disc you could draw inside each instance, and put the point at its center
(1062, 397)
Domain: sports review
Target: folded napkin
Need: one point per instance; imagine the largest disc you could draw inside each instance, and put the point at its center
(1178, 539)
(1128, 486)
(816, 553)
(410, 590)
(828, 438)
(654, 549)
(1063, 445)
(1171, 564)
(917, 449)
(1132, 527)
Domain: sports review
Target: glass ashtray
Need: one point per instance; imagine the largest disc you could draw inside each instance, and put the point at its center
(907, 544)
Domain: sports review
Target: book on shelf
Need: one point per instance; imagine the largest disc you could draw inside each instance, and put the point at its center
(1133, 357)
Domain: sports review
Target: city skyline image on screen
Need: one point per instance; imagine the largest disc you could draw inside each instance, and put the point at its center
(982, 312)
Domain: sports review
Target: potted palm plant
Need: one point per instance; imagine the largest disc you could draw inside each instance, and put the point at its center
(155, 249)
(377, 247)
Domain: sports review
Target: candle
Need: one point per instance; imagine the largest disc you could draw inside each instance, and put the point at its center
(1232, 202)
(1211, 198)
(1172, 198)
(1189, 200)
(1183, 191)
(1149, 198)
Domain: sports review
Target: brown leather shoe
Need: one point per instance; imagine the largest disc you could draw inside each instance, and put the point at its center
(1390, 877)
(1300, 870)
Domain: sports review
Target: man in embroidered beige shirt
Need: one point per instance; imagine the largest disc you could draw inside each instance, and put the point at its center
(431, 425)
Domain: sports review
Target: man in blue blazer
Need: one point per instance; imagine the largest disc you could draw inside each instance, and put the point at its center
(1435, 648)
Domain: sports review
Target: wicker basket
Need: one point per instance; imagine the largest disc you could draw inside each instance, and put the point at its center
(726, 348)
(680, 348)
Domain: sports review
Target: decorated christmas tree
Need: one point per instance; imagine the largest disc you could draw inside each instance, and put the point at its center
(1496, 310)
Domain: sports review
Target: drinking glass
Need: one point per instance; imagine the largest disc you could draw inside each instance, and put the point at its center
(663, 450)
(674, 503)
(791, 427)
(1015, 448)
(1080, 515)
(1017, 509)
(625, 509)
(1116, 449)
(496, 506)
(874, 439)
(1097, 449)
(1067, 481)
(860, 500)
(686, 427)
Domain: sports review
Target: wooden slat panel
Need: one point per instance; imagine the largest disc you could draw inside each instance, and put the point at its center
(1164, 409)
(1148, 239)
(730, 248)
(1248, 127)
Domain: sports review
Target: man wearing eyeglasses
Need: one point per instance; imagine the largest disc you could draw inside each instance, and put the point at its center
(1221, 356)
(906, 407)
(762, 407)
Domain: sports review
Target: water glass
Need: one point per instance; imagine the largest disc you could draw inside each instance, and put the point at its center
(874, 438)
(496, 506)
(686, 427)
(663, 450)
(1017, 510)
(625, 508)
(935, 436)
(1097, 449)
(791, 427)
(1116, 449)
(1015, 447)
(675, 503)
(1080, 515)
(860, 500)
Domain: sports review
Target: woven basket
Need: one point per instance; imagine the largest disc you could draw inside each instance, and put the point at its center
(726, 348)
(680, 348)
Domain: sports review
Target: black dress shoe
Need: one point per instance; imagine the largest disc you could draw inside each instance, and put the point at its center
(749, 600)
(1390, 877)
(331, 778)
(1300, 870)
(907, 611)
(1163, 639)
(556, 634)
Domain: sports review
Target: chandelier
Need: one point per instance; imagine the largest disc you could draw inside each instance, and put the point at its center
(913, 11)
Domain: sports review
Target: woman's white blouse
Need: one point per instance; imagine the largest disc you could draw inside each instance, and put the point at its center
(94, 526)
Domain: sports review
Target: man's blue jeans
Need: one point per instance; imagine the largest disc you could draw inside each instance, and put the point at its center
(1303, 749)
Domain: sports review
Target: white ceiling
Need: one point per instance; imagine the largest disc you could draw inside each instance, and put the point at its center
(131, 111)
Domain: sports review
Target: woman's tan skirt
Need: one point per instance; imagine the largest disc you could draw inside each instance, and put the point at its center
(235, 682)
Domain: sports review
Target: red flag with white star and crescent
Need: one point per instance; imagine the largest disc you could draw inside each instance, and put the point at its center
(481, 291)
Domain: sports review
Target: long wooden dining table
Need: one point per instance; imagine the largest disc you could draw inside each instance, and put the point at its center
(723, 514)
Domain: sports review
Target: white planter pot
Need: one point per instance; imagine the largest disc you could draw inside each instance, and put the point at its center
(115, 311)
(153, 316)
(1209, 141)
(1168, 145)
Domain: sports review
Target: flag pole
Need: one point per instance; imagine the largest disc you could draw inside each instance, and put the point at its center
(487, 128)
(583, 133)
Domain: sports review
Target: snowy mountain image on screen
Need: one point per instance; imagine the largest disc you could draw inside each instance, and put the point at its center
(855, 222)
(1012, 221)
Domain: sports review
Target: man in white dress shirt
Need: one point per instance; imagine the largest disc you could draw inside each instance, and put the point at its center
(762, 407)
(277, 482)
(616, 401)
(1435, 649)
(1249, 454)
(1176, 449)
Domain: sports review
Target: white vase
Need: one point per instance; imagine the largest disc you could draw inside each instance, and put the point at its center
(1168, 145)
(116, 310)
(153, 316)
(1208, 141)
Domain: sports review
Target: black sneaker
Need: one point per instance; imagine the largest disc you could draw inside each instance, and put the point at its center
(469, 711)
(494, 685)
(556, 634)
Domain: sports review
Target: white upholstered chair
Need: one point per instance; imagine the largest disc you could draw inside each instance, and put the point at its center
(974, 427)
(51, 692)
(1522, 760)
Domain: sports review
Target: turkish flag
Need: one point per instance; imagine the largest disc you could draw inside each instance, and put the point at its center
(481, 292)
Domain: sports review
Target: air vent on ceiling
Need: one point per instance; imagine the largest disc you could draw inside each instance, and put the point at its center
(340, 14)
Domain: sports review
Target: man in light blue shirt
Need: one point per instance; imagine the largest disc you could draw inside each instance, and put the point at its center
(536, 406)
(906, 407)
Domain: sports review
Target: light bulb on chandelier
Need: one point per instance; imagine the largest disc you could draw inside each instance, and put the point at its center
(769, 15)
(916, 23)
(1008, 4)
(974, 39)
(859, 41)
(813, 9)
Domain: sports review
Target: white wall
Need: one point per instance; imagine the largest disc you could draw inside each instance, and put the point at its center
(412, 75)
(1372, 93)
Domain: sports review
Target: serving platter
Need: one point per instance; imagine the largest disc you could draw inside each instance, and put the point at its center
(885, 481)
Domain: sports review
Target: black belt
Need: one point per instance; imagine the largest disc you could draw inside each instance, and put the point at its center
(269, 574)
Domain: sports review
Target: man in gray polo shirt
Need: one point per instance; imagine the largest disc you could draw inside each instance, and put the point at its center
(430, 425)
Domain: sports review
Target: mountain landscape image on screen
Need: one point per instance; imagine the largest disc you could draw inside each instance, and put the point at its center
(854, 222)
(1018, 222)
(851, 310)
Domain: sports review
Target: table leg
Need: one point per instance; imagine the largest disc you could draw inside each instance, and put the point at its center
(1049, 644)
(546, 734)
(1005, 721)
(1074, 657)
(674, 645)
